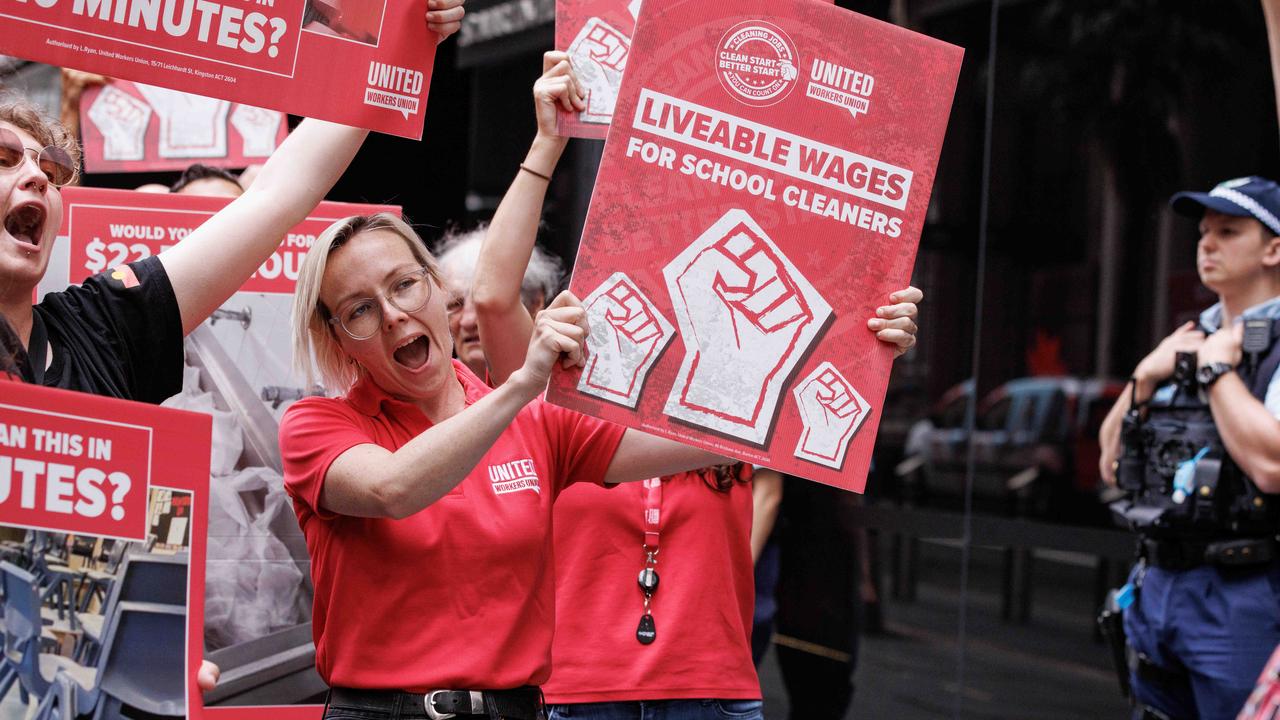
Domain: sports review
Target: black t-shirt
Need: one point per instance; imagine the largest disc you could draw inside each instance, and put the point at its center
(119, 334)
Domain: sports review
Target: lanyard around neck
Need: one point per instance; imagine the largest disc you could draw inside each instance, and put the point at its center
(652, 492)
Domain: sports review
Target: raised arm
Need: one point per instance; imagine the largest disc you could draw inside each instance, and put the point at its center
(371, 481)
(504, 322)
(216, 258)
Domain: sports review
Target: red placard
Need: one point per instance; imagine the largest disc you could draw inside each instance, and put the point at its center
(108, 228)
(787, 150)
(597, 35)
(142, 128)
(103, 467)
(365, 63)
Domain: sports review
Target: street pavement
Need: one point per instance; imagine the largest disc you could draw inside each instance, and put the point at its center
(1050, 668)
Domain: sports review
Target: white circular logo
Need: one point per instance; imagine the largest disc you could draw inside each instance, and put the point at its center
(756, 62)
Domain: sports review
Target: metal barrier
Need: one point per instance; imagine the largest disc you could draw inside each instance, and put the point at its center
(1019, 538)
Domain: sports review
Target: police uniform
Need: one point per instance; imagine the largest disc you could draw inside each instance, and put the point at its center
(1204, 598)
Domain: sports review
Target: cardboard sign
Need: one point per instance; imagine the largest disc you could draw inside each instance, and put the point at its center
(127, 127)
(787, 151)
(597, 35)
(110, 228)
(98, 467)
(365, 63)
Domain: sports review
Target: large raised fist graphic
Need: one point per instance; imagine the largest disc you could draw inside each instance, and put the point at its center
(258, 127)
(832, 411)
(191, 126)
(599, 55)
(746, 316)
(122, 119)
(627, 335)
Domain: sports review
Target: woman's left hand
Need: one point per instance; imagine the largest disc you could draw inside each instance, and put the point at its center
(558, 89)
(444, 17)
(896, 324)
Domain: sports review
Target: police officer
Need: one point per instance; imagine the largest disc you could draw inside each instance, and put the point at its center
(1195, 442)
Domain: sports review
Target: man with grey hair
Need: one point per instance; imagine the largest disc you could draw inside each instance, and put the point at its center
(457, 254)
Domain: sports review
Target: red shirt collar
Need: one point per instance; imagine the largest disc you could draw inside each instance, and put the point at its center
(367, 397)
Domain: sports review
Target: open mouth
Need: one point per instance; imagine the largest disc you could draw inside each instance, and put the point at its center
(26, 224)
(413, 353)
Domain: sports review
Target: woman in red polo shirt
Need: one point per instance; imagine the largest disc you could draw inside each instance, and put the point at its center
(425, 496)
(629, 646)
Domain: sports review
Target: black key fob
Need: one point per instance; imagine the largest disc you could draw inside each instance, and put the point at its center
(647, 632)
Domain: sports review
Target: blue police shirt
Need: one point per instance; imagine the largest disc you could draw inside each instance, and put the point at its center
(1211, 321)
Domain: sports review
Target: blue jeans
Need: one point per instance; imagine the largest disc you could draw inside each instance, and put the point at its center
(1220, 624)
(661, 710)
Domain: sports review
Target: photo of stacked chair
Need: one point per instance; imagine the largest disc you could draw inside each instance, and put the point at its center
(101, 642)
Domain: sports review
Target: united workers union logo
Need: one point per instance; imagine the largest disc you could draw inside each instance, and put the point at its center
(756, 62)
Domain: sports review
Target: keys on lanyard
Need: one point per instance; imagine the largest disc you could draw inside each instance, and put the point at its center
(647, 631)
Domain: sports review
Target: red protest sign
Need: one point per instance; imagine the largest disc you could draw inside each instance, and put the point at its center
(110, 228)
(107, 468)
(128, 127)
(597, 36)
(72, 473)
(787, 150)
(366, 64)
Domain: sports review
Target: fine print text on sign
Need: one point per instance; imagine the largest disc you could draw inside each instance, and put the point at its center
(129, 127)
(111, 228)
(787, 150)
(366, 63)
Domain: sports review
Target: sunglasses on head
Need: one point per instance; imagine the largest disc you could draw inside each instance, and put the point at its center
(54, 162)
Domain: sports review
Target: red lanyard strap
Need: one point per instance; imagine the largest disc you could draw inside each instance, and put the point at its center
(652, 492)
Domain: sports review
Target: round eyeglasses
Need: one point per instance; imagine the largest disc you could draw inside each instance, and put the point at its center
(361, 318)
(53, 161)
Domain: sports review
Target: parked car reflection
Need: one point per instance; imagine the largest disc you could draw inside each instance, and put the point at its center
(1035, 445)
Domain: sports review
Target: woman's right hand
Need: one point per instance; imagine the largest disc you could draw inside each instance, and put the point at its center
(557, 89)
(559, 334)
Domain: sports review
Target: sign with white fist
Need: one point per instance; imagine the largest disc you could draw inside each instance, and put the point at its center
(762, 191)
(131, 127)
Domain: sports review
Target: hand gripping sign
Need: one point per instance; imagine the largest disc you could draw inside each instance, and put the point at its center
(627, 335)
(832, 411)
(599, 55)
(747, 317)
(122, 119)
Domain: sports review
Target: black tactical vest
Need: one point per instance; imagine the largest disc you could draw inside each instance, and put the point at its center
(1218, 499)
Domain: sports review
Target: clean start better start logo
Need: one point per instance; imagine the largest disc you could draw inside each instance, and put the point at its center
(756, 62)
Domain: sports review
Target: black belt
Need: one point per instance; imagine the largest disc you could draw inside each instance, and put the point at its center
(523, 703)
(1185, 555)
